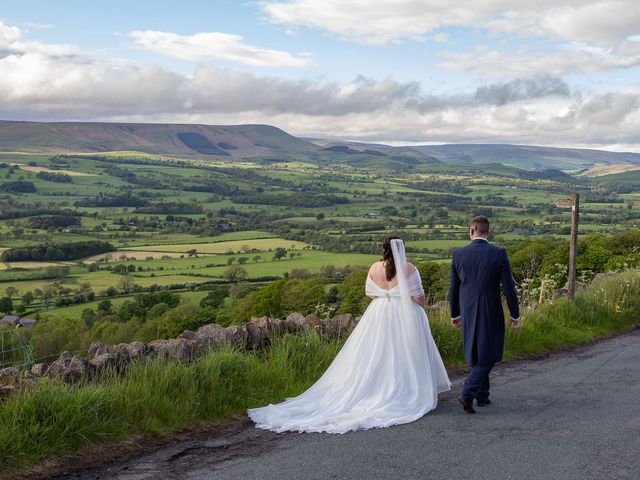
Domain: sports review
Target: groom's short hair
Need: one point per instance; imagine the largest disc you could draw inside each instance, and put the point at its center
(480, 225)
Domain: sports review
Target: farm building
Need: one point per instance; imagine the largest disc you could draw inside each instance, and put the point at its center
(17, 321)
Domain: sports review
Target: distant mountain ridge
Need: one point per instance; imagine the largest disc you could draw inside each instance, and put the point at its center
(155, 138)
(527, 156)
(271, 144)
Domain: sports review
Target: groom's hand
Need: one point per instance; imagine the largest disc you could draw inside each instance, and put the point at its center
(456, 322)
(515, 323)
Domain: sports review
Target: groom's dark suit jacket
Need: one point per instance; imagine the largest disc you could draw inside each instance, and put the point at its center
(477, 270)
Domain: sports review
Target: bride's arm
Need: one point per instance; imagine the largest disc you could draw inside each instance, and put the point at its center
(370, 275)
(419, 299)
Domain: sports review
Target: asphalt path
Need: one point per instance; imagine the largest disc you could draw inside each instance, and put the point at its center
(571, 415)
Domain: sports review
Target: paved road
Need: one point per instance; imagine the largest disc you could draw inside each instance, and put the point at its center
(573, 415)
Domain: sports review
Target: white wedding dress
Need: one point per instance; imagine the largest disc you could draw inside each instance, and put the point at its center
(388, 372)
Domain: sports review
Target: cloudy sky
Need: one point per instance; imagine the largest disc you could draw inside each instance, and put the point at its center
(550, 72)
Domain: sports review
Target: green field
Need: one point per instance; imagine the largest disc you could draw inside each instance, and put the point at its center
(74, 311)
(436, 244)
(238, 214)
(266, 244)
(164, 272)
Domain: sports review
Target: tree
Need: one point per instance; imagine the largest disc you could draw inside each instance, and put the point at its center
(58, 272)
(11, 292)
(280, 253)
(120, 268)
(27, 298)
(157, 310)
(268, 300)
(49, 291)
(105, 306)
(242, 260)
(257, 258)
(215, 297)
(353, 301)
(130, 309)
(302, 295)
(6, 305)
(148, 300)
(171, 323)
(332, 295)
(435, 280)
(300, 273)
(127, 284)
(230, 260)
(320, 216)
(192, 253)
(88, 317)
(235, 273)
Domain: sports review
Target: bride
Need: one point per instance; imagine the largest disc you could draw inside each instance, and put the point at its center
(389, 370)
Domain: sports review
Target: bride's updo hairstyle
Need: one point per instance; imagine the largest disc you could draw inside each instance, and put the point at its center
(387, 257)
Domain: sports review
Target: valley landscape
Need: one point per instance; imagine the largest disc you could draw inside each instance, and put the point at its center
(212, 214)
(191, 196)
(105, 247)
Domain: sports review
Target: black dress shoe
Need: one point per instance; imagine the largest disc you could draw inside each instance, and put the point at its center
(484, 403)
(467, 404)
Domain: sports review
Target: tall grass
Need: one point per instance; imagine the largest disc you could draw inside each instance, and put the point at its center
(158, 397)
(606, 307)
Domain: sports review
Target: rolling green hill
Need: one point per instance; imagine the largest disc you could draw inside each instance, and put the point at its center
(269, 144)
(162, 139)
(527, 156)
(624, 177)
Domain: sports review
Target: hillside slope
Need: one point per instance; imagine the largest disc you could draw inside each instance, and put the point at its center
(270, 144)
(166, 139)
(527, 156)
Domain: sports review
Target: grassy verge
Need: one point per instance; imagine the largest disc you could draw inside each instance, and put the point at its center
(158, 397)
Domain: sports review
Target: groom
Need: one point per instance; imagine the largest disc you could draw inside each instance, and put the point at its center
(477, 271)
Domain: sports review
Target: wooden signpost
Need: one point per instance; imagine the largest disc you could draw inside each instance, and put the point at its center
(573, 203)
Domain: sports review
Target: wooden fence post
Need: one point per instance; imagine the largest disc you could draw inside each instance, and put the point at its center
(575, 205)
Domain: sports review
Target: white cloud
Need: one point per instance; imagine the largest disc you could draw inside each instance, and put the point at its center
(575, 58)
(9, 34)
(601, 22)
(52, 82)
(11, 42)
(214, 46)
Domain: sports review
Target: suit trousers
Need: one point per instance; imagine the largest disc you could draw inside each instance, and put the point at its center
(477, 383)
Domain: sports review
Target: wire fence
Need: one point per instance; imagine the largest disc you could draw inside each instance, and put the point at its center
(15, 349)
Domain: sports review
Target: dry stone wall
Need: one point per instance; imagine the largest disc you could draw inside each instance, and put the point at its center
(102, 358)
